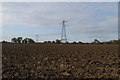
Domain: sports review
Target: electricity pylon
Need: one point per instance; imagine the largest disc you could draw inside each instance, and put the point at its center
(36, 38)
(63, 34)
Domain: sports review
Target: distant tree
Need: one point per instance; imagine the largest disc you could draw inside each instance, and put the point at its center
(28, 40)
(115, 41)
(58, 41)
(87, 43)
(49, 42)
(80, 42)
(14, 40)
(67, 42)
(19, 40)
(95, 41)
(24, 40)
(4, 41)
(53, 42)
(45, 42)
(31, 40)
(74, 42)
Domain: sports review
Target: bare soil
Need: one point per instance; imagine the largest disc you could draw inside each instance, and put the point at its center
(60, 61)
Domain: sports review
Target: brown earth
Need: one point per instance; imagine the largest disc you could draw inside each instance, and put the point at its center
(60, 61)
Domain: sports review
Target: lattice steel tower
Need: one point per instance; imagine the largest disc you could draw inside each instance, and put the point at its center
(63, 34)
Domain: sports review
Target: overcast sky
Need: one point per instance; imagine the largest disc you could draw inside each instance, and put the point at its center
(86, 21)
(59, 0)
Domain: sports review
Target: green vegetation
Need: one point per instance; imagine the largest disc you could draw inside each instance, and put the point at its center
(57, 41)
(21, 40)
(53, 42)
(4, 41)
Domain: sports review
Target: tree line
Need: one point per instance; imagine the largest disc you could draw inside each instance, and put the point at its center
(21, 40)
(57, 41)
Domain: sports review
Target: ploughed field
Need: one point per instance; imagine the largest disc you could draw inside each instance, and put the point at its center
(59, 61)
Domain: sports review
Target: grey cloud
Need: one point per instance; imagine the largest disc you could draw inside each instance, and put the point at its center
(86, 18)
(41, 14)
